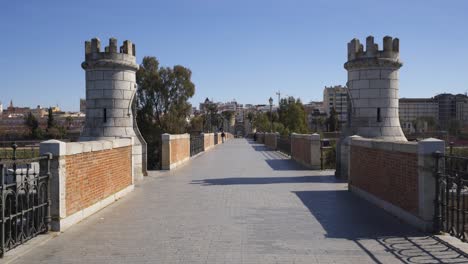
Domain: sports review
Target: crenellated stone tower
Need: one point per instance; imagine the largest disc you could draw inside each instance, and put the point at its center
(110, 91)
(373, 95)
(373, 89)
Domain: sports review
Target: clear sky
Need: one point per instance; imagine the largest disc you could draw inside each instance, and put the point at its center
(240, 49)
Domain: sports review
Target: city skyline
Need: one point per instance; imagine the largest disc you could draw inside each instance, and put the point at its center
(244, 51)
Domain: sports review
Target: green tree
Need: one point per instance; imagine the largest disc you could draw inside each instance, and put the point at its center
(292, 115)
(50, 119)
(261, 122)
(454, 127)
(196, 123)
(332, 121)
(162, 103)
(33, 125)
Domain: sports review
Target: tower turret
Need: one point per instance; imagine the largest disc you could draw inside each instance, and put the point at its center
(373, 89)
(110, 90)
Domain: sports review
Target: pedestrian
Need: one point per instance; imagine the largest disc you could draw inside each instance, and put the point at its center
(222, 136)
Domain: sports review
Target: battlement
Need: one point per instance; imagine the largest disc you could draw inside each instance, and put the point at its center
(94, 46)
(391, 49)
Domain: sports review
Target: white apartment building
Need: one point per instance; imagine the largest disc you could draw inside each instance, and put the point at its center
(336, 97)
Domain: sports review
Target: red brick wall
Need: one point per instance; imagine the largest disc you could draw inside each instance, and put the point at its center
(389, 175)
(208, 140)
(93, 176)
(270, 140)
(180, 149)
(300, 149)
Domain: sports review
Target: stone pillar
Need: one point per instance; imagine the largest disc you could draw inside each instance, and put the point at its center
(315, 151)
(110, 91)
(426, 179)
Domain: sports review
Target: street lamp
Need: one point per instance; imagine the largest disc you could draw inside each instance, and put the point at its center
(271, 114)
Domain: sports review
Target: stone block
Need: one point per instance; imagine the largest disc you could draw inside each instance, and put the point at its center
(74, 148)
(89, 76)
(361, 84)
(123, 122)
(98, 75)
(129, 76)
(103, 84)
(113, 75)
(104, 103)
(106, 144)
(369, 93)
(393, 84)
(96, 145)
(388, 74)
(114, 132)
(379, 84)
(369, 74)
(116, 112)
(94, 94)
(122, 85)
(113, 93)
(128, 95)
(121, 103)
(353, 75)
(89, 85)
(55, 147)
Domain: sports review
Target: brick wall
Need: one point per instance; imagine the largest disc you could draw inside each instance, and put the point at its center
(387, 170)
(180, 149)
(389, 175)
(305, 149)
(208, 141)
(86, 177)
(270, 140)
(175, 150)
(93, 176)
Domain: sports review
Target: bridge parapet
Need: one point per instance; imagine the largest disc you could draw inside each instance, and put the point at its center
(86, 177)
(397, 176)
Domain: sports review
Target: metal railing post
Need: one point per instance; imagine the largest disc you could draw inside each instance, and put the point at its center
(437, 214)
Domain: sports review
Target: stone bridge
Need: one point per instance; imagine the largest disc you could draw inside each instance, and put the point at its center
(241, 202)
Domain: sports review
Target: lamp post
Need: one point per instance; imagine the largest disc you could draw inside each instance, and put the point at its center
(271, 114)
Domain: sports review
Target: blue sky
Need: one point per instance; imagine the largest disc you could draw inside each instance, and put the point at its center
(243, 50)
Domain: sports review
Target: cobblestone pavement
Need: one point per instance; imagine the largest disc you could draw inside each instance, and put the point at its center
(240, 203)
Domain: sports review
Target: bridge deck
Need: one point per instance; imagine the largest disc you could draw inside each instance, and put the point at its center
(241, 203)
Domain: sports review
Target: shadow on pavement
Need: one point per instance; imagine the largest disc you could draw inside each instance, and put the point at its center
(267, 180)
(275, 159)
(344, 215)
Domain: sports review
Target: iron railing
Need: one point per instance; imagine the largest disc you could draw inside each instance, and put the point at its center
(451, 188)
(25, 199)
(327, 154)
(24, 149)
(283, 144)
(196, 144)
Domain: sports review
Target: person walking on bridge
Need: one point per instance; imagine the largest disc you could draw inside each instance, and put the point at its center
(222, 136)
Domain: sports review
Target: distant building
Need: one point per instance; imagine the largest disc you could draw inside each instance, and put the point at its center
(336, 97)
(442, 109)
(413, 109)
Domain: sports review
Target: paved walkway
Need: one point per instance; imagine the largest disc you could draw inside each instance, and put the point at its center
(240, 203)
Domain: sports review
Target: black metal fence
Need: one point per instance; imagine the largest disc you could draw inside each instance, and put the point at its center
(25, 203)
(327, 154)
(283, 144)
(196, 144)
(451, 203)
(24, 149)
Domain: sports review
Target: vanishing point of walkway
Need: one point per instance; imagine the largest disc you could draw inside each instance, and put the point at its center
(241, 203)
